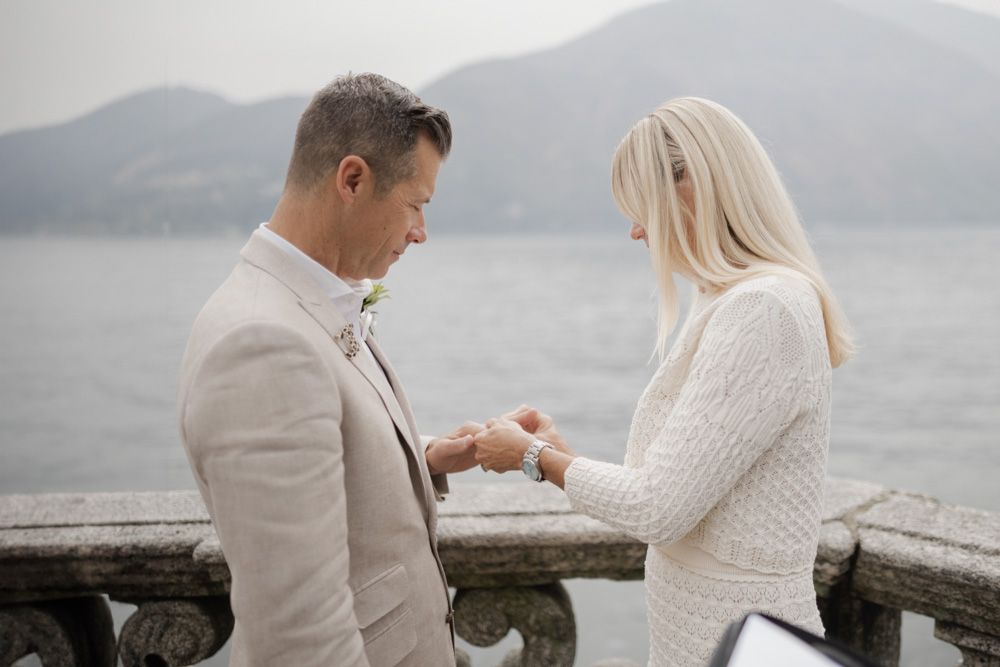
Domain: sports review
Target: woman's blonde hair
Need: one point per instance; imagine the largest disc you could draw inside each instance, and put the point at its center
(693, 151)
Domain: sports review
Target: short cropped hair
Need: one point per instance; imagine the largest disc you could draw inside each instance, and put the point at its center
(743, 224)
(369, 116)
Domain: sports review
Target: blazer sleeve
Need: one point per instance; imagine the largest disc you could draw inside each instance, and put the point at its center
(440, 482)
(262, 423)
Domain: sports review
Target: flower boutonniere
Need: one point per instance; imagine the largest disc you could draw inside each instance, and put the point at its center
(377, 293)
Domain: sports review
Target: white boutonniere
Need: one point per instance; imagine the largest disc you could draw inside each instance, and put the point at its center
(376, 293)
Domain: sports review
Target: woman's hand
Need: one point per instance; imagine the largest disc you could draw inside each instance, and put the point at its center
(539, 425)
(502, 445)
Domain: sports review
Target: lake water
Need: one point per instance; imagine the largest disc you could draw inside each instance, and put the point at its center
(93, 331)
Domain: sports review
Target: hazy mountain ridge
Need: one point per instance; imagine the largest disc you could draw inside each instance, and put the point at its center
(973, 34)
(868, 121)
(179, 157)
(52, 173)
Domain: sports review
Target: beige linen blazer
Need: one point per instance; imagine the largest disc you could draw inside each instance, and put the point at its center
(313, 472)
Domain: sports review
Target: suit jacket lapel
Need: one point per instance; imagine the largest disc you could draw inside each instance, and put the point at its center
(327, 315)
(265, 255)
(413, 434)
(413, 438)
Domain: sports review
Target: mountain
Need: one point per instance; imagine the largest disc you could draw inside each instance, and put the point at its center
(973, 34)
(866, 120)
(170, 156)
(875, 111)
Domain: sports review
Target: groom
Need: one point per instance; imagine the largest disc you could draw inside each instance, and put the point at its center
(297, 429)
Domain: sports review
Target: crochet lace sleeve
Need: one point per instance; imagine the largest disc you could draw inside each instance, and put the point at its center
(738, 396)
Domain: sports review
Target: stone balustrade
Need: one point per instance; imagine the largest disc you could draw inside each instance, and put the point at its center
(506, 548)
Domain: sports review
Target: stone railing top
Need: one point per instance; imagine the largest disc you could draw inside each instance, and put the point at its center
(899, 549)
(60, 510)
(935, 559)
(845, 499)
(130, 545)
(507, 534)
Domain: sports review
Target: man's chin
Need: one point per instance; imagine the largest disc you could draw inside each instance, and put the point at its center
(379, 273)
(373, 274)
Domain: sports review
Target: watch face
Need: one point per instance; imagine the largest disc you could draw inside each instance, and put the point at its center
(530, 470)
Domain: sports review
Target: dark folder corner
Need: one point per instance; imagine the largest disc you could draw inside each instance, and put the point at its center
(762, 641)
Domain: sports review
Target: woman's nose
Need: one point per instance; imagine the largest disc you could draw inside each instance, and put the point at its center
(636, 231)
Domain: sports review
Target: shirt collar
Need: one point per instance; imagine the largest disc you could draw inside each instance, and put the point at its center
(347, 295)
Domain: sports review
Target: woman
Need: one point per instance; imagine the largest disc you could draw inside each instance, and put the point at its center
(726, 459)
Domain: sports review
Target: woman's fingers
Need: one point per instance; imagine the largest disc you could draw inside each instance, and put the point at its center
(527, 418)
(468, 428)
(516, 412)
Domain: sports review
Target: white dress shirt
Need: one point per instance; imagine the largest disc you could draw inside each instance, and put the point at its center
(347, 295)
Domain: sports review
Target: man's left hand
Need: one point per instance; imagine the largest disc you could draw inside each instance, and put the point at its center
(454, 452)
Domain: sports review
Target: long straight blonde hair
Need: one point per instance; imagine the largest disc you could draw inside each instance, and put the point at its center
(693, 151)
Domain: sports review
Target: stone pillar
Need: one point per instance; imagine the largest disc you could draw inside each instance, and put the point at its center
(870, 628)
(978, 649)
(74, 632)
(542, 614)
(175, 633)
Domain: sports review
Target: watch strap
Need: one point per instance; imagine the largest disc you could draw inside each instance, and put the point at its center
(534, 453)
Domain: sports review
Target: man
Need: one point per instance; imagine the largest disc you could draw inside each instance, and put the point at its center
(298, 432)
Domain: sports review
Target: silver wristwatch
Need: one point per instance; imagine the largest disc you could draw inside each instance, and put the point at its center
(530, 465)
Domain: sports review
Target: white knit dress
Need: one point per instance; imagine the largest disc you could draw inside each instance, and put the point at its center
(725, 469)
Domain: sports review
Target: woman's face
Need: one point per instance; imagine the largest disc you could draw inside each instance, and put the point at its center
(685, 191)
(638, 232)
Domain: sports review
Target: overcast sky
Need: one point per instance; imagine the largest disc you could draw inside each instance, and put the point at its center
(59, 60)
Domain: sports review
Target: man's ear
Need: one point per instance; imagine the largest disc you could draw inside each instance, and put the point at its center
(352, 177)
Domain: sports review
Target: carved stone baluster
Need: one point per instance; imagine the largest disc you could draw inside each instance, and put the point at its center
(75, 632)
(978, 649)
(872, 629)
(175, 633)
(542, 614)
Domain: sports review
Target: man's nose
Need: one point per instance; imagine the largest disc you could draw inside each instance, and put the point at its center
(418, 232)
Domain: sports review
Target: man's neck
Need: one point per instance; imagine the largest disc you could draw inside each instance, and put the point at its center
(300, 221)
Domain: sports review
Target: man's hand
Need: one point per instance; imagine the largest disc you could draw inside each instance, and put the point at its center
(454, 452)
(539, 425)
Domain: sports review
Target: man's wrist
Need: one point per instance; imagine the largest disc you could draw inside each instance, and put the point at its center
(429, 459)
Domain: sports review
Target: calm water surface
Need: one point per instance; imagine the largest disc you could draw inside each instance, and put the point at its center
(93, 331)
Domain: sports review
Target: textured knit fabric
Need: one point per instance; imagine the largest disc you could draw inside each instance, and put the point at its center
(725, 468)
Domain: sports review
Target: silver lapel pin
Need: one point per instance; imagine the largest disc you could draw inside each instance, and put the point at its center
(346, 336)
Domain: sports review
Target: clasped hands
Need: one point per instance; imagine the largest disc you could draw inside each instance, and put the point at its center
(499, 445)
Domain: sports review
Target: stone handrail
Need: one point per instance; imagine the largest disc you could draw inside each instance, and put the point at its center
(505, 547)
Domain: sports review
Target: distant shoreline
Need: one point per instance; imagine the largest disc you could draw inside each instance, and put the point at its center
(236, 231)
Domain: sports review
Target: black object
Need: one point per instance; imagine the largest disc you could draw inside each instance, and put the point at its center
(824, 649)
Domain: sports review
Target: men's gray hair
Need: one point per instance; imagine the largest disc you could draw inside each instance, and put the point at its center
(369, 116)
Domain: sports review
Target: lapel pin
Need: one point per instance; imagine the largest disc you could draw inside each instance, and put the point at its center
(348, 342)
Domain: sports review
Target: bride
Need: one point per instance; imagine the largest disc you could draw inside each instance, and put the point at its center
(724, 469)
